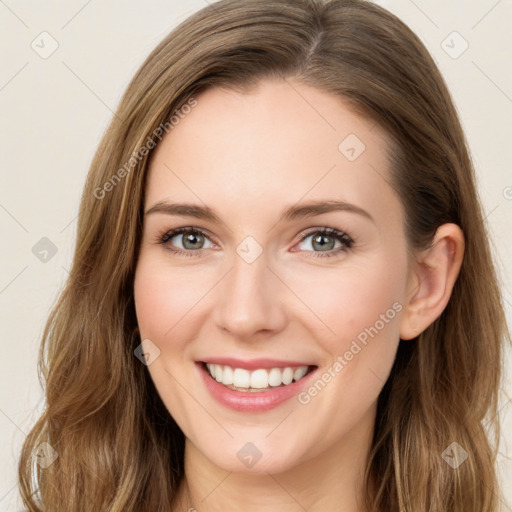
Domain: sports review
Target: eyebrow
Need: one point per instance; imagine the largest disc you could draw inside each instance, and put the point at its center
(290, 213)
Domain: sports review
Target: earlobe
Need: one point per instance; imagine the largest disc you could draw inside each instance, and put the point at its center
(432, 277)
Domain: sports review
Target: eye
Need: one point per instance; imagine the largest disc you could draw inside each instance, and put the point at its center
(191, 241)
(325, 241)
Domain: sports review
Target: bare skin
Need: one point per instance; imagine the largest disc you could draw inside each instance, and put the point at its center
(248, 157)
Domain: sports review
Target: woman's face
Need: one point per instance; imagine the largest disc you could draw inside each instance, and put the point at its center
(255, 284)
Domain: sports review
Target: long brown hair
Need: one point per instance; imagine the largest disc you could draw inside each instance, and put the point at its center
(118, 447)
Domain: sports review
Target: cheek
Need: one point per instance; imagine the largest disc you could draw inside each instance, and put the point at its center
(164, 307)
(154, 306)
(353, 298)
(164, 298)
(359, 306)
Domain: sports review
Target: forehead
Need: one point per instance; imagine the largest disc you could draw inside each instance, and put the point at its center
(280, 142)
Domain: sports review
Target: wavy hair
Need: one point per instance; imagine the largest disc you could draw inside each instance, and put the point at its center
(118, 447)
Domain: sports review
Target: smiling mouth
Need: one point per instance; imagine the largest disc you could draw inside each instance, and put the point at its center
(258, 380)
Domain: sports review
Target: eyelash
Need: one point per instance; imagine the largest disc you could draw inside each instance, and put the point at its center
(345, 240)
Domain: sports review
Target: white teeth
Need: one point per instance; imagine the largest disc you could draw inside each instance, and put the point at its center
(241, 378)
(300, 372)
(227, 375)
(259, 379)
(256, 379)
(275, 377)
(217, 372)
(287, 376)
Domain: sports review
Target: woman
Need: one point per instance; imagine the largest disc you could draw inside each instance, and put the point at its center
(204, 355)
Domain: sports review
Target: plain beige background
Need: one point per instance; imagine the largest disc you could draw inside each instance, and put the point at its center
(63, 68)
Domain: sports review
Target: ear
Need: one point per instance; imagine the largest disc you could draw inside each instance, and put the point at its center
(431, 279)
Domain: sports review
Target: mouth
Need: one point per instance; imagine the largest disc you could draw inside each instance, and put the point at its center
(257, 380)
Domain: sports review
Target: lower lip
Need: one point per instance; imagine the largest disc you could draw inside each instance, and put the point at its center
(247, 401)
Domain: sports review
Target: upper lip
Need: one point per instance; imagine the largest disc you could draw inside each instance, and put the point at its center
(253, 364)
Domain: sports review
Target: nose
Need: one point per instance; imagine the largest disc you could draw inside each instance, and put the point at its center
(250, 300)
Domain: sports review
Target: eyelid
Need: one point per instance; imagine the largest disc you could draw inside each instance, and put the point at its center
(180, 230)
(323, 229)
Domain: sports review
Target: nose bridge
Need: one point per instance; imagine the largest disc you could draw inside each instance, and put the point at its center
(247, 280)
(249, 299)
